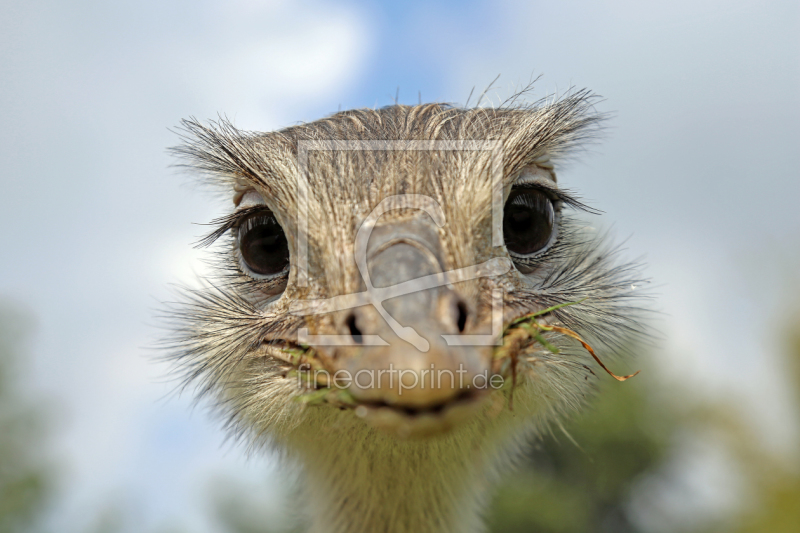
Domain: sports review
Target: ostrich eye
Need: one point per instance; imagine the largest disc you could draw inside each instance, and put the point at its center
(263, 245)
(528, 221)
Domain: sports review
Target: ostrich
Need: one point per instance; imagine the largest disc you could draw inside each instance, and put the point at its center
(397, 301)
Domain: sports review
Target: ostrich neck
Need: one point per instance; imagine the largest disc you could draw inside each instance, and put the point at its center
(371, 483)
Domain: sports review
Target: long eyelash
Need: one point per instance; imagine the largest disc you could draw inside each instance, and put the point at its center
(234, 220)
(564, 196)
(227, 223)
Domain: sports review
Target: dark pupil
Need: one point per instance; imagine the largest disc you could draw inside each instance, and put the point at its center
(527, 221)
(263, 245)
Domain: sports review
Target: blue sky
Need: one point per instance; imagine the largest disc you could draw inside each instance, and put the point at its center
(698, 170)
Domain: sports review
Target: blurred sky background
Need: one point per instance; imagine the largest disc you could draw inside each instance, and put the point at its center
(698, 170)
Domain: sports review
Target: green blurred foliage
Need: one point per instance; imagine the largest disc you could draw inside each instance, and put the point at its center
(577, 478)
(774, 479)
(25, 476)
(241, 509)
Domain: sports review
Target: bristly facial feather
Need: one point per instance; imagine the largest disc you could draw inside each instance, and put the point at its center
(229, 333)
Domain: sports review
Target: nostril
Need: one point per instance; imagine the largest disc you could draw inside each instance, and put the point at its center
(358, 338)
(462, 316)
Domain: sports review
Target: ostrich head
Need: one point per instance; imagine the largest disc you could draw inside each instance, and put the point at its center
(364, 316)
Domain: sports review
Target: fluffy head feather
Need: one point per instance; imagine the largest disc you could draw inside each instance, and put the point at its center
(230, 333)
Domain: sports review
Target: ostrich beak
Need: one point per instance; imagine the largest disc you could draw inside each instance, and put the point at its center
(411, 368)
